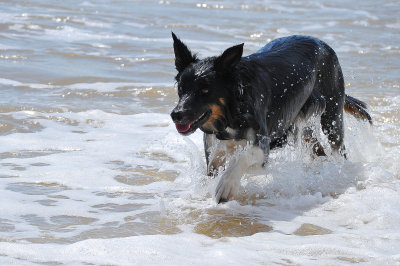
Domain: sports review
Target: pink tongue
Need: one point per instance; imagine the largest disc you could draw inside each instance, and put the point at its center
(182, 128)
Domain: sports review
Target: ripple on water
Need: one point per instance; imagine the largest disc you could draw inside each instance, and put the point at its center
(39, 188)
(141, 177)
(112, 207)
(147, 223)
(9, 125)
(6, 225)
(311, 229)
(23, 154)
(68, 220)
(222, 223)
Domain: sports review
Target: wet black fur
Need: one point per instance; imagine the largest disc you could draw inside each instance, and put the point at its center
(290, 78)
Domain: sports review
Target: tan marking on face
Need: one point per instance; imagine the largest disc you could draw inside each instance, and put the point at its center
(216, 113)
(222, 101)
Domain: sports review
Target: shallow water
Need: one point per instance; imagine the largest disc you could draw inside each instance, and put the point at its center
(91, 164)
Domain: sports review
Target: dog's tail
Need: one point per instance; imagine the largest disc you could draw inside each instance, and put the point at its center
(356, 108)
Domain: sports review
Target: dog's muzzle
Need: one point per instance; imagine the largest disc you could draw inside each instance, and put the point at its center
(184, 127)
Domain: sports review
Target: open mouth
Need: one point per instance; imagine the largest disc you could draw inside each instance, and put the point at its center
(192, 126)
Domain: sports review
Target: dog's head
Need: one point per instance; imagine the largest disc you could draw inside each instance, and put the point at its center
(204, 88)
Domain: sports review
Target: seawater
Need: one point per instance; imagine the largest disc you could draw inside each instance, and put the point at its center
(92, 170)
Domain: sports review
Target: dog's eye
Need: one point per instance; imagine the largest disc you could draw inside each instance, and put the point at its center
(204, 91)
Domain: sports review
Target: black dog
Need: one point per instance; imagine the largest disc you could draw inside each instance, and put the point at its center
(258, 100)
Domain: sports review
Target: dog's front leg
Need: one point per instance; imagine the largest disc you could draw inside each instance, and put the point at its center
(264, 142)
(230, 180)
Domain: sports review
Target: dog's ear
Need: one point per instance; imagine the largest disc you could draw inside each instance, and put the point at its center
(229, 58)
(183, 56)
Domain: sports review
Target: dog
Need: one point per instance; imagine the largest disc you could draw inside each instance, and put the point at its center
(256, 101)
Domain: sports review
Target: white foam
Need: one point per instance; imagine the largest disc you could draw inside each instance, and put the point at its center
(95, 86)
(15, 83)
(113, 86)
(5, 47)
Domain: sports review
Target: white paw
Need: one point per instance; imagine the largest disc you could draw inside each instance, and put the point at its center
(227, 187)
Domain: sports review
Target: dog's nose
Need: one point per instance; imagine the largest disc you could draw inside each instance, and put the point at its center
(176, 115)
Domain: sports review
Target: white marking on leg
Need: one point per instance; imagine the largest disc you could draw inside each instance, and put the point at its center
(229, 183)
(220, 150)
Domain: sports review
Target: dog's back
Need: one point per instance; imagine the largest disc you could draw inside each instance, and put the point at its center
(282, 76)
